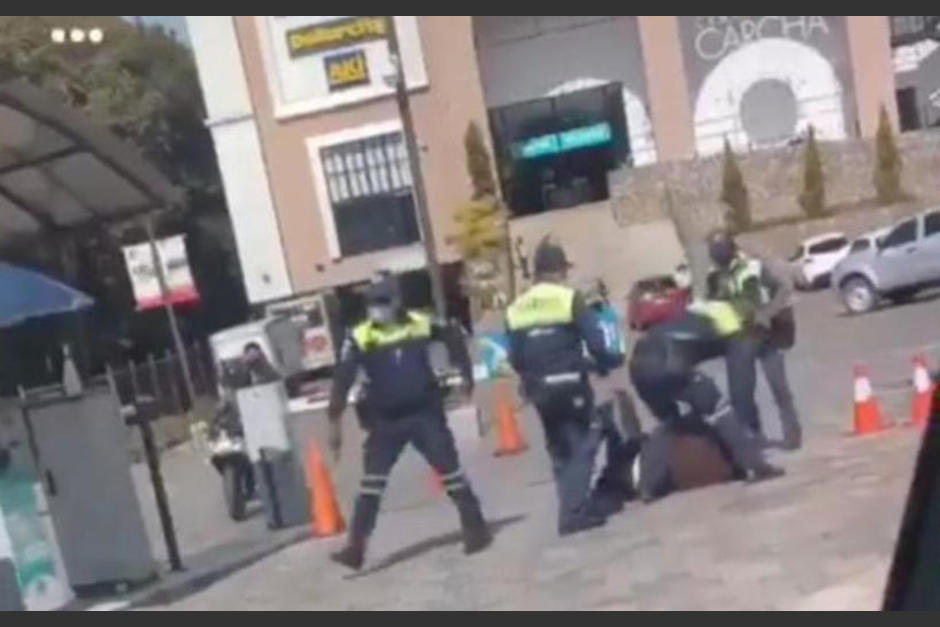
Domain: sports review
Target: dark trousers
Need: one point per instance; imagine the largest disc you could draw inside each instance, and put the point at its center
(662, 390)
(724, 430)
(428, 432)
(571, 438)
(743, 355)
(622, 438)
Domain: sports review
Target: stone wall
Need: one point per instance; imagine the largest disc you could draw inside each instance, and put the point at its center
(781, 241)
(774, 179)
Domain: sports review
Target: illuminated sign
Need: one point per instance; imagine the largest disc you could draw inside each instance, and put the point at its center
(539, 146)
(585, 137)
(346, 70)
(556, 143)
(336, 34)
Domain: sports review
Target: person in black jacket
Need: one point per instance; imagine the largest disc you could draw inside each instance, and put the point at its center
(402, 404)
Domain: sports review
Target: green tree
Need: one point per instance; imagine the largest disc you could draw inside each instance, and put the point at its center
(887, 176)
(478, 163)
(734, 192)
(481, 222)
(482, 230)
(813, 197)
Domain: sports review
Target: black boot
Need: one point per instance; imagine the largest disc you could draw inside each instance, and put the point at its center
(476, 538)
(792, 438)
(604, 503)
(763, 473)
(351, 556)
(582, 522)
(476, 533)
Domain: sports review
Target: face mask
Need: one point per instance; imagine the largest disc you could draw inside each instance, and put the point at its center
(722, 253)
(381, 314)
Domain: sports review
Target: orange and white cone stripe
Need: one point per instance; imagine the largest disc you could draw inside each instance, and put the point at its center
(923, 393)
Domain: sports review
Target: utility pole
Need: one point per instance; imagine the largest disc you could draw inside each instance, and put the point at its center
(171, 318)
(417, 177)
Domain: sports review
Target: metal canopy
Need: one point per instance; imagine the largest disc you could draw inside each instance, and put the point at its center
(59, 170)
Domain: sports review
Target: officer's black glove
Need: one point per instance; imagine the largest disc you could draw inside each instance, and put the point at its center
(335, 438)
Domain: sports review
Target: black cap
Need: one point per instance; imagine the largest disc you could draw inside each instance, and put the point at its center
(383, 290)
(550, 258)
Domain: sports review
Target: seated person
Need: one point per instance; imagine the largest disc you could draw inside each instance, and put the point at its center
(260, 370)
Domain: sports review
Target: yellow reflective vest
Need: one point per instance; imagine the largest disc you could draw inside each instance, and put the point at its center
(544, 304)
(742, 270)
(369, 336)
(723, 316)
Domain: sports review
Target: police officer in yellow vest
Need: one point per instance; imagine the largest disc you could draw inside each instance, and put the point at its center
(548, 327)
(664, 372)
(402, 404)
(761, 294)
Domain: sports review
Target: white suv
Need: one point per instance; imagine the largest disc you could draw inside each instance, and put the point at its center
(815, 258)
(907, 261)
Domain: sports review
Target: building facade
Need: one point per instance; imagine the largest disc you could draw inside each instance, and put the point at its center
(309, 142)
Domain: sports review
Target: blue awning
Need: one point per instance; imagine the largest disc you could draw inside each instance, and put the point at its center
(25, 294)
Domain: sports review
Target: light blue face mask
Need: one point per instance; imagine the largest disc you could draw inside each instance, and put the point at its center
(381, 314)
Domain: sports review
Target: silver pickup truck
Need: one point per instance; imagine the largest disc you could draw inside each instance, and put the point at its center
(905, 261)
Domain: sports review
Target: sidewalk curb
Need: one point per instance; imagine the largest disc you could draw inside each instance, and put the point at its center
(174, 586)
(186, 583)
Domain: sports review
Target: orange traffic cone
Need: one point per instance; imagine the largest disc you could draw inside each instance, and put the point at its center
(510, 439)
(325, 516)
(868, 417)
(923, 393)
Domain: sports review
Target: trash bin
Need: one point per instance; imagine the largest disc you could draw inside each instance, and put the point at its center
(282, 489)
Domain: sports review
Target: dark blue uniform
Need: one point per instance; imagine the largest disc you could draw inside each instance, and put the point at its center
(664, 372)
(403, 404)
(549, 327)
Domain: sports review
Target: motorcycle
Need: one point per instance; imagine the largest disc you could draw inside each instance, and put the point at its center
(228, 454)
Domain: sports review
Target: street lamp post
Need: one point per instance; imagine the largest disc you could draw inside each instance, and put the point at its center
(417, 178)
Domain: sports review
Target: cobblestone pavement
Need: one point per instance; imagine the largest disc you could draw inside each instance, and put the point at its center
(819, 538)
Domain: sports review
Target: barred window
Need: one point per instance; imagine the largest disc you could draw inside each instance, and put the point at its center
(369, 185)
(909, 29)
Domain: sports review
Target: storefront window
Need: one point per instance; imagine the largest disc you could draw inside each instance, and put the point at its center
(369, 187)
(557, 152)
(915, 41)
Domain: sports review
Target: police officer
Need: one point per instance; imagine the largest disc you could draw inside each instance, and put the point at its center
(761, 294)
(402, 404)
(549, 326)
(664, 372)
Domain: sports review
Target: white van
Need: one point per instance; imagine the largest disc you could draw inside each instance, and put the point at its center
(815, 259)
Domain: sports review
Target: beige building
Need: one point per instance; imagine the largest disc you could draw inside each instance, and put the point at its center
(310, 147)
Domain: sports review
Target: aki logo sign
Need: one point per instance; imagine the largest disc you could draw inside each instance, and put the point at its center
(346, 70)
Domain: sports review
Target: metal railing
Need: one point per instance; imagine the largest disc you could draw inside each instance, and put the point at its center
(161, 378)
